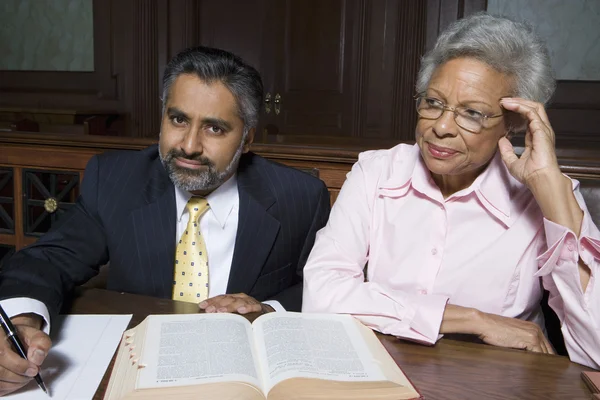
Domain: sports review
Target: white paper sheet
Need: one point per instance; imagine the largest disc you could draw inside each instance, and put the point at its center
(83, 346)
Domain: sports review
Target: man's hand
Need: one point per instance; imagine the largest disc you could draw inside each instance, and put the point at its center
(15, 372)
(239, 302)
(514, 333)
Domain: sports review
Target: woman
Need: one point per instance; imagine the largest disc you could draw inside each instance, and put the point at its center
(460, 234)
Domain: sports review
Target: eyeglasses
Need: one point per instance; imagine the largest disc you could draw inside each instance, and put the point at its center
(467, 118)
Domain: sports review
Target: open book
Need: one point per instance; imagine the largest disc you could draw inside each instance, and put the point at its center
(279, 356)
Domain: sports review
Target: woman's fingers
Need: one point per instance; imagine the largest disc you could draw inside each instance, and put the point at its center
(526, 105)
(535, 114)
(547, 344)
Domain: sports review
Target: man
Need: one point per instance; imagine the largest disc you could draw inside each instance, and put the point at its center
(196, 218)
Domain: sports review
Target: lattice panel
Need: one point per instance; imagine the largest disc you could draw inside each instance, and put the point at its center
(47, 196)
(7, 201)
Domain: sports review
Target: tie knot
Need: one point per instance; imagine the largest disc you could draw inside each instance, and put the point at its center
(197, 206)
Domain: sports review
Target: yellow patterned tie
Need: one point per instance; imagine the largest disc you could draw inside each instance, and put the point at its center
(190, 282)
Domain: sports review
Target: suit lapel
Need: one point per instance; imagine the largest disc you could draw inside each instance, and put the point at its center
(154, 226)
(257, 229)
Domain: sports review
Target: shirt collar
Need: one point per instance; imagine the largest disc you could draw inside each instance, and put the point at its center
(400, 177)
(222, 201)
(493, 187)
(410, 171)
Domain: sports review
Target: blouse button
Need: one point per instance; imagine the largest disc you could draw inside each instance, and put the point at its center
(434, 251)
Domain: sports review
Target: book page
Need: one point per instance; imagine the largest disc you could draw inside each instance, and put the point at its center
(190, 349)
(294, 345)
(83, 346)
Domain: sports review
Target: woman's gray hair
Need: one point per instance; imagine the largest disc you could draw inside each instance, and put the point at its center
(216, 65)
(509, 47)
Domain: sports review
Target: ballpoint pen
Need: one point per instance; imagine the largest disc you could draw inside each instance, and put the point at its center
(11, 333)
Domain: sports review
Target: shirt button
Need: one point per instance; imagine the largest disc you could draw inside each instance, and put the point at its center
(570, 245)
(423, 291)
(434, 251)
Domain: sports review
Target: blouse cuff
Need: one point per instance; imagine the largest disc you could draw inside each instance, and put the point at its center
(562, 247)
(428, 316)
(565, 248)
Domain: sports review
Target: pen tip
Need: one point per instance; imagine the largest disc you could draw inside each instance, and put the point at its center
(43, 387)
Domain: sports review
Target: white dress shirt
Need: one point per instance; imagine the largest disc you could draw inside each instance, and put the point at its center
(219, 228)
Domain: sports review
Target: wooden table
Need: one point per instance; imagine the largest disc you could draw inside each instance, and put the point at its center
(450, 370)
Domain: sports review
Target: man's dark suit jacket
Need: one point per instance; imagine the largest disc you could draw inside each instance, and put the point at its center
(126, 214)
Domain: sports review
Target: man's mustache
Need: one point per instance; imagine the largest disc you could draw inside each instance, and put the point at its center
(192, 157)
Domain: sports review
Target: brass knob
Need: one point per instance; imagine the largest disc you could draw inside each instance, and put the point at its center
(277, 103)
(51, 205)
(268, 103)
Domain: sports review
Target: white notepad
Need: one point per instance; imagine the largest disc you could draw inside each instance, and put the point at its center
(83, 346)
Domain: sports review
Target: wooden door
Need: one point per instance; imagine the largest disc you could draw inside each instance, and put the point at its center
(335, 72)
(245, 29)
(345, 70)
(314, 50)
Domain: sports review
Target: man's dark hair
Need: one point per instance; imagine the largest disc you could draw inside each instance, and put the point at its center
(215, 65)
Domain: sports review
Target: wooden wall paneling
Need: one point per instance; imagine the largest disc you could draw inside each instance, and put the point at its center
(267, 124)
(162, 45)
(183, 26)
(236, 26)
(9, 227)
(25, 156)
(396, 38)
(7, 201)
(303, 50)
(145, 96)
(18, 207)
(98, 90)
(433, 23)
(574, 112)
(377, 65)
(27, 240)
(8, 239)
(363, 36)
(441, 13)
(409, 49)
(71, 153)
(333, 195)
(247, 31)
(364, 102)
(316, 66)
(473, 6)
(39, 186)
(47, 157)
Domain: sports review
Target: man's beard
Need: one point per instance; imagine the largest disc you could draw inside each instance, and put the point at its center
(206, 179)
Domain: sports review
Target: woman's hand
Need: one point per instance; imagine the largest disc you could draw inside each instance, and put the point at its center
(495, 329)
(514, 333)
(538, 169)
(538, 158)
